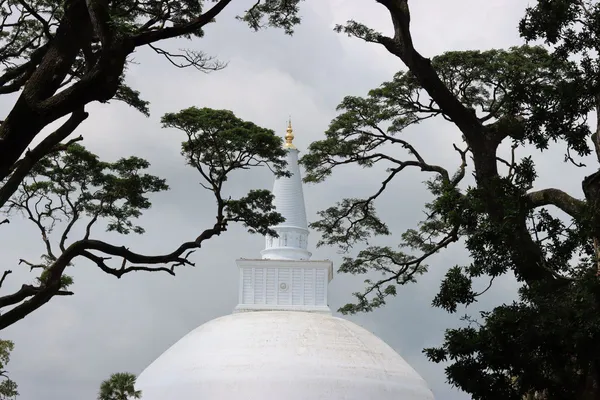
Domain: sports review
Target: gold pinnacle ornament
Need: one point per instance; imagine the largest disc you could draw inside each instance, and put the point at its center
(289, 136)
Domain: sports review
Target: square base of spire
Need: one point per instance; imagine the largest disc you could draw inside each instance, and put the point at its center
(284, 285)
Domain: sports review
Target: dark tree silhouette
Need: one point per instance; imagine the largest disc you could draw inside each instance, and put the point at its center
(544, 344)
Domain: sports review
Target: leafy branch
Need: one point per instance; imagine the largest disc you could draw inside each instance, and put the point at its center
(61, 56)
(542, 344)
(73, 189)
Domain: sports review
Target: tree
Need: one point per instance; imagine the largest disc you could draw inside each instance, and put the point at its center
(544, 344)
(68, 193)
(60, 56)
(8, 387)
(120, 386)
(63, 55)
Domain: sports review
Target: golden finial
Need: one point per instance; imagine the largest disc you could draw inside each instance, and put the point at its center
(289, 136)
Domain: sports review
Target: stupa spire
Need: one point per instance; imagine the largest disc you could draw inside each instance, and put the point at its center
(289, 202)
(285, 278)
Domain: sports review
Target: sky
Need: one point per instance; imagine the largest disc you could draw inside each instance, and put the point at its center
(66, 348)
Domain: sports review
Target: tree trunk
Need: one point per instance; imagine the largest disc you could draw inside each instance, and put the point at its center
(591, 190)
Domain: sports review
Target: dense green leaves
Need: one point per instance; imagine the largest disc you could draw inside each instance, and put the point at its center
(369, 131)
(572, 25)
(85, 47)
(219, 143)
(523, 93)
(33, 23)
(255, 211)
(456, 288)
(547, 342)
(74, 184)
(542, 344)
(572, 28)
(513, 92)
(120, 386)
(274, 13)
(398, 267)
(525, 82)
(8, 387)
(351, 221)
(72, 189)
(59, 56)
(222, 142)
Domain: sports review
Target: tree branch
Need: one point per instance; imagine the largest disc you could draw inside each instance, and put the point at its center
(32, 266)
(20, 74)
(403, 270)
(38, 296)
(4, 275)
(182, 29)
(482, 140)
(401, 45)
(23, 293)
(556, 197)
(100, 18)
(37, 16)
(190, 58)
(100, 262)
(46, 146)
(30, 114)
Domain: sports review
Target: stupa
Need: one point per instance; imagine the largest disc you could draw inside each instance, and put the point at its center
(282, 341)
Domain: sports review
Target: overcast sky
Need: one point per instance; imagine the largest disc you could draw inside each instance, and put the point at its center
(64, 350)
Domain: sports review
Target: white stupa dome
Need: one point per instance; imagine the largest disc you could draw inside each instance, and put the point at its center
(283, 355)
(282, 343)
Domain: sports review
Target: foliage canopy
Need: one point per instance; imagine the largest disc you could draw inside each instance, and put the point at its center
(8, 387)
(69, 193)
(57, 57)
(120, 386)
(544, 343)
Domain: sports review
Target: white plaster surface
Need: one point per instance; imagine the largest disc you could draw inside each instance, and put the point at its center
(284, 285)
(281, 355)
(272, 348)
(289, 202)
(289, 197)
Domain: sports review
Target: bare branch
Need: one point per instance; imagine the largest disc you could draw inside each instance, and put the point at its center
(100, 262)
(88, 228)
(190, 58)
(22, 294)
(556, 197)
(462, 168)
(182, 29)
(569, 158)
(38, 296)
(488, 287)
(34, 215)
(4, 275)
(32, 266)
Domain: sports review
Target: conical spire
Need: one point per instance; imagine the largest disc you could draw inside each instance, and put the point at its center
(289, 202)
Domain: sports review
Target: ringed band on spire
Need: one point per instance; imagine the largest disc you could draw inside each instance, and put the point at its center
(289, 136)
